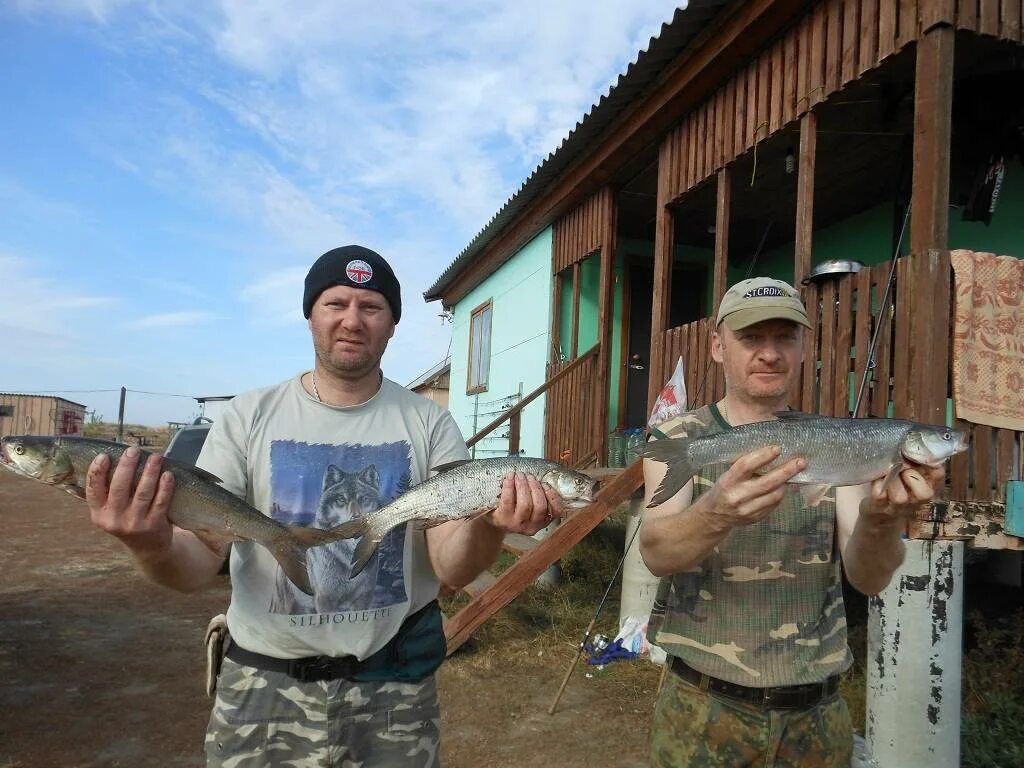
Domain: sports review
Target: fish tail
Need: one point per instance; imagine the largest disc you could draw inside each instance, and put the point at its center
(291, 555)
(315, 537)
(364, 551)
(675, 455)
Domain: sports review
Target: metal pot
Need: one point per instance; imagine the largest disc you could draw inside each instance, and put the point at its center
(832, 268)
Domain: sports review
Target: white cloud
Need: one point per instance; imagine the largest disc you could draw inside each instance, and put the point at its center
(175, 319)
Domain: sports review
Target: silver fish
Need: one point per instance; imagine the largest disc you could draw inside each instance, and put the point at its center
(838, 451)
(461, 489)
(199, 503)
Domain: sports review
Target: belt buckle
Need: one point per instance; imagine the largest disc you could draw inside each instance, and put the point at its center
(311, 670)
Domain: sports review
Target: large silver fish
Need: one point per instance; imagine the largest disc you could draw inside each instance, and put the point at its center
(461, 489)
(838, 451)
(199, 503)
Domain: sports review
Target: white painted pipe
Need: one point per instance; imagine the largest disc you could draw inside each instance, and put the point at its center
(915, 634)
(639, 585)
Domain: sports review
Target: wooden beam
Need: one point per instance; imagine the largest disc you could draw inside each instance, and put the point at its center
(722, 210)
(532, 564)
(608, 221)
(933, 108)
(577, 288)
(664, 245)
(804, 235)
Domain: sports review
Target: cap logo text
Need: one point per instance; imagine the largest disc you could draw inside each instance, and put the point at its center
(767, 290)
(358, 271)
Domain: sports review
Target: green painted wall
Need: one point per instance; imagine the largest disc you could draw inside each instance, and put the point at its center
(520, 338)
(1005, 235)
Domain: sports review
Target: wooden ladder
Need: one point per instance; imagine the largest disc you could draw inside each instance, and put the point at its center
(490, 594)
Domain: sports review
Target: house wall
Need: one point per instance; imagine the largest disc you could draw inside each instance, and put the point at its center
(520, 339)
(40, 415)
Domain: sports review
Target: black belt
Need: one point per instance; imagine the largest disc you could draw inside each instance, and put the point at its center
(307, 669)
(781, 697)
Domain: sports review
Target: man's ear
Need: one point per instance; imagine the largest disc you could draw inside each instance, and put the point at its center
(716, 347)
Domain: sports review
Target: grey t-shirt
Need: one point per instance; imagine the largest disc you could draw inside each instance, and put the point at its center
(306, 463)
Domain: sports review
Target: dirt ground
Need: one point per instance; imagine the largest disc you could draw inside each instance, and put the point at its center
(101, 668)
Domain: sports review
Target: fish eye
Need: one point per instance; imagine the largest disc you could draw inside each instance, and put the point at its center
(947, 435)
(19, 449)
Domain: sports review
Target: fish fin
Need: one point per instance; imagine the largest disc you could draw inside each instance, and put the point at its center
(891, 474)
(74, 489)
(794, 415)
(813, 494)
(364, 551)
(450, 465)
(673, 453)
(215, 541)
(291, 556)
(309, 536)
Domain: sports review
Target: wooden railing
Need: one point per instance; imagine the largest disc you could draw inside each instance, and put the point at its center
(909, 377)
(555, 379)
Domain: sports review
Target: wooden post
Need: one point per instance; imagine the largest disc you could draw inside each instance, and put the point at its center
(604, 322)
(933, 109)
(576, 288)
(664, 247)
(721, 238)
(805, 197)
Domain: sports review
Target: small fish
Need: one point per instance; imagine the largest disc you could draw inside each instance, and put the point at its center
(461, 489)
(838, 451)
(199, 503)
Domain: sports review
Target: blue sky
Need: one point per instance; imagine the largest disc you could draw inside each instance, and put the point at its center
(169, 171)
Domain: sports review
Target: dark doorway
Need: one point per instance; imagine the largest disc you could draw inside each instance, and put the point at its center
(689, 289)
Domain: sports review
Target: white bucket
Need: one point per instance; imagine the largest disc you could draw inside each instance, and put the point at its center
(639, 585)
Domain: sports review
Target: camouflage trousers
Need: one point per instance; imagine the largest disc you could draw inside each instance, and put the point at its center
(692, 728)
(262, 719)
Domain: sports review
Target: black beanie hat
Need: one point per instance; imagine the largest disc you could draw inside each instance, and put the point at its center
(357, 267)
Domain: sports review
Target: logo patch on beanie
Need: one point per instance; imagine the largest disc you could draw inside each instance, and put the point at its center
(358, 271)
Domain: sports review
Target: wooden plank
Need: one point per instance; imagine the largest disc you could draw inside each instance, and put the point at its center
(901, 391)
(519, 543)
(981, 456)
(908, 30)
(804, 232)
(867, 56)
(967, 15)
(480, 584)
(816, 59)
(844, 338)
(989, 17)
(692, 138)
(664, 239)
(959, 465)
(576, 289)
(1011, 27)
(887, 15)
(880, 392)
(722, 210)
(777, 87)
(605, 318)
(460, 627)
(764, 85)
(739, 119)
(808, 387)
(939, 300)
(803, 50)
(750, 112)
(935, 12)
(725, 153)
(833, 46)
(790, 54)
(1005, 462)
(861, 338)
(933, 104)
(851, 38)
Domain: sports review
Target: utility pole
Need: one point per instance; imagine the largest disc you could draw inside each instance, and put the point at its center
(120, 418)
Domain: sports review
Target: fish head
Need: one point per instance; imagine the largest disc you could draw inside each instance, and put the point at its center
(575, 489)
(38, 457)
(932, 445)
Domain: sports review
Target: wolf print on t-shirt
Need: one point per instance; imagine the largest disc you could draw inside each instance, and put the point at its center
(323, 486)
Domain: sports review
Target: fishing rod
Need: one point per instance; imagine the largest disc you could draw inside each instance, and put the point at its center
(590, 627)
(883, 307)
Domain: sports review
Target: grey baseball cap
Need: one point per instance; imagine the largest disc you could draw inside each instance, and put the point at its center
(760, 298)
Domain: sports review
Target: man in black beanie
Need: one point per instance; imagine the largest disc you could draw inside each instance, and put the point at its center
(343, 673)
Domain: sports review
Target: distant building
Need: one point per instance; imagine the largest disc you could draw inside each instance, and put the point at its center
(433, 384)
(39, 415)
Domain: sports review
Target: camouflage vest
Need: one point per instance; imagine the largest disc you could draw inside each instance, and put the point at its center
(765, 608)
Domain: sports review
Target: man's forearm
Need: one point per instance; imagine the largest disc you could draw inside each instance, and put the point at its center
(186, 565)
(679, 542)
(461, 553)
(874, 552)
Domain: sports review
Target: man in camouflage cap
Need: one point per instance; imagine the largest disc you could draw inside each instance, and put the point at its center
(750, 607)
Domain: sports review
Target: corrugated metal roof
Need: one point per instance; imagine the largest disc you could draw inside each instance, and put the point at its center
(675, 36)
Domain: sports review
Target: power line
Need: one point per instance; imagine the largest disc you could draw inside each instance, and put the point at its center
(101, 391)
